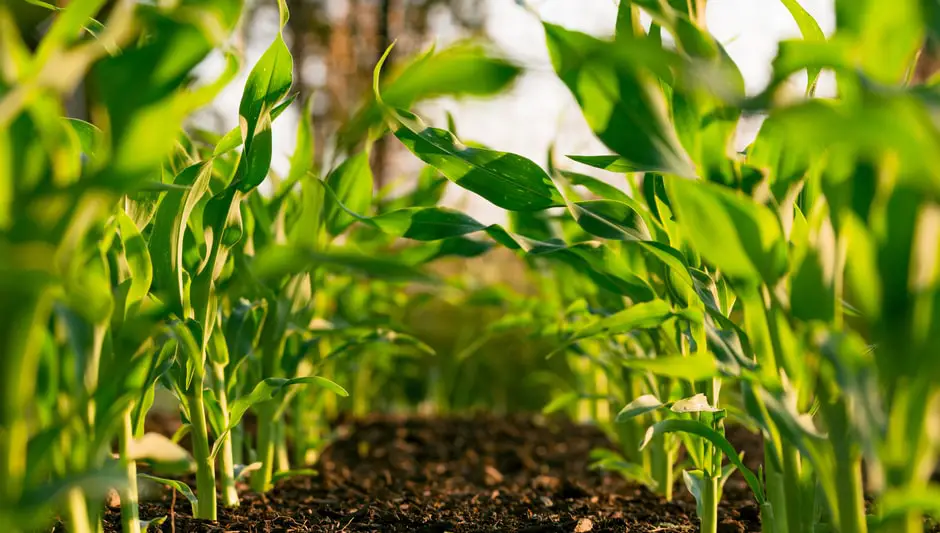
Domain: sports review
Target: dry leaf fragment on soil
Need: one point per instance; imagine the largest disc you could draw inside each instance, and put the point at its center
(584, 525)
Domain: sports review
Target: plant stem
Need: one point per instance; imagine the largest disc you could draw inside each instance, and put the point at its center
(77, 509)
(205, 467)
(851, 497)
(792, 487)
(261, 478)
(282, 458)
(775, 487)
(709, 510)
(22, 315)
(226, 455)
(130, 519)
(662, 470)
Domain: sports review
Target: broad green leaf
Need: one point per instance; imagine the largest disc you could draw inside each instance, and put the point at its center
(43, 500)
(242, 471)
(161, 454)
(256, 161)
(178, 486)
(268, 82)
(351, 183)
(277, 261)
(695, 427)
(613, 461)
(462, 69)
(611, 219)
(169, 229)
(621, 97)
(742, 238)
(561, 402)
(270, 388)
(695, 367)
(811, 32)
(885, 36)
(640, 406)
(897, 502)
(596, 186)
(284, 474)
(696, 481)
(507, 180)
(639, 316)
(811, 295)
(613, 163)
(303, 160)
(693, 404)
(427, 223)
(89, 135)
(138, 260)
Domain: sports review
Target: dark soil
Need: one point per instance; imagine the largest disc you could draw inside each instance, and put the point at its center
(484, 474)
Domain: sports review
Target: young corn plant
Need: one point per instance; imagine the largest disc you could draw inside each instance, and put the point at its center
(74, 294)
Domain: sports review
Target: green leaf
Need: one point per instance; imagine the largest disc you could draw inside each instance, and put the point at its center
(178, 486)
(284, 474)
(695, 367)
(885, 35)
(270, 388)
(167, 234)
(693, 404)
(739, 236)
(812, 296)
(427, 223)
(596, 186)
(267, 84)
(620, 96)
(696, 481)
(89, 136)
(613, 461)
(161, 454)
(639, 316)
(896, 503)
(640, 406)
(242, 471)
(277, 261)
(613, 163)
(611, 219)
(43, 500)
(507, 180)
(695, 427)
(463, 69)
(139, 264)
(561, 402)
(352, 184)
(811, 32)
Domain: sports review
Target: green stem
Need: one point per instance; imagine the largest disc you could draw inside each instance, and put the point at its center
(662, 467)
(851, 496)
(205, 467)
(226, 454)
(22, 318)
(77, 509)
(775, 488)
(792, 487)
(282, 457)
(709, 509)
(130, 519)
(261, 478)
(238, 444)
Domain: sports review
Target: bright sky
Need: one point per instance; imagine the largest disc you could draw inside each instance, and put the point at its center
(539, 110)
